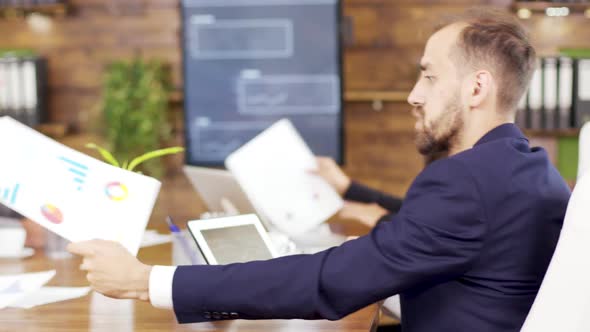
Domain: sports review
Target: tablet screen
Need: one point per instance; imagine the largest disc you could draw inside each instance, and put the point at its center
(234, 239)
(236, 244)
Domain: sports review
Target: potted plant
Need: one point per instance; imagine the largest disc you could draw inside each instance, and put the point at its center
(134, 115)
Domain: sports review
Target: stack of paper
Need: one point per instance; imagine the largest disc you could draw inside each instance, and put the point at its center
(273, 169)
(15, 287)
(70, 193)
(26, 291)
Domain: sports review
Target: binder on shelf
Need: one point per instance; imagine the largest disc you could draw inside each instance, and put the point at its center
(566, 80)
(3, 87)
(22, 88)
(29, 75)
(14, 88)
(550, 80)
(39, 115)
(581, 92)
(535, 98)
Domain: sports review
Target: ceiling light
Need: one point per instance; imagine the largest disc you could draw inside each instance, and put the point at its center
(524, 13)
(557, 11)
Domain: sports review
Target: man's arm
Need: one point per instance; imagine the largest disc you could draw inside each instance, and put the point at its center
(435, 237)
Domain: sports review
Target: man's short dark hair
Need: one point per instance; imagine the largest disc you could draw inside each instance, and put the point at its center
(496, 41)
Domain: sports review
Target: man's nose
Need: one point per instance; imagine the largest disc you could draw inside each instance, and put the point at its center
(414, 98)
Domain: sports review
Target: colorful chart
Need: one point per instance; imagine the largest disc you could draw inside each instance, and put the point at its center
(77, 170)
(52, 213)
(116, 191)
(9, 194)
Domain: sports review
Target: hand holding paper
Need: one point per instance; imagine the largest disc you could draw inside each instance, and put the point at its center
(112, 271)
(329, 171)
(70, 193)
(273, 169)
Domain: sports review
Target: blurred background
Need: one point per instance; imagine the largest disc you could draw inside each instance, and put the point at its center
(97, 70)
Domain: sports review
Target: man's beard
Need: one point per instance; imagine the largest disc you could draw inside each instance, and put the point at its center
(435, 142)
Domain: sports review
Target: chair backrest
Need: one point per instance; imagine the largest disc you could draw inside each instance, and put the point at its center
(563, 302)
(584, 150)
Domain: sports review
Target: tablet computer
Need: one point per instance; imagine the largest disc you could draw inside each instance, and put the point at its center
(234, 239)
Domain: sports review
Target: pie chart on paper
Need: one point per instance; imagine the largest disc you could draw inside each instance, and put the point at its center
(52, 213)
(116, 191)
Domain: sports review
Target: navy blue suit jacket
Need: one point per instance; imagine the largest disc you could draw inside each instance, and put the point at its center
(467, 251)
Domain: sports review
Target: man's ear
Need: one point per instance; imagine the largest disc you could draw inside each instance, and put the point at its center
(481, 87)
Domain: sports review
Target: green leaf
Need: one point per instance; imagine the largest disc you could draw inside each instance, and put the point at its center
(106, 155)
(153, 154)
(135, 104)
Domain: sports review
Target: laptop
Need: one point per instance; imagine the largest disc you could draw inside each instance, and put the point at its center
(222, 193)
(219, 190)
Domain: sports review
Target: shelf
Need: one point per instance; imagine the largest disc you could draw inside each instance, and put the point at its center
(176, 96)
(390, 96)
(55, 9)
(541, 6)
(53, 130)
(553, 132)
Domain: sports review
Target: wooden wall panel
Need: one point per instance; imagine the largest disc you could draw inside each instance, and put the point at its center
(80, 46)
(380, 146)
(386, 45)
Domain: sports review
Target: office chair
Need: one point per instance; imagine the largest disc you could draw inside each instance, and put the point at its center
(563, 302)
(584, 150)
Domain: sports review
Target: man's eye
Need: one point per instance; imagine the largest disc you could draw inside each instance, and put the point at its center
(430, 78)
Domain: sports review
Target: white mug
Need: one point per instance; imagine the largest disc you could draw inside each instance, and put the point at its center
(12, 241)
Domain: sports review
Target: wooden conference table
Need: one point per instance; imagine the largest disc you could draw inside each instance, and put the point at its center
(97, 313)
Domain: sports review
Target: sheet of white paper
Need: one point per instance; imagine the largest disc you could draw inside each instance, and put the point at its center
(273, 169)
(392, 307)
(16, 286)
(46, 295)
(152, 238)
(70, 193)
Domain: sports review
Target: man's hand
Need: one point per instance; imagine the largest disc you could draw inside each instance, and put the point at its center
(367, 214)
(112, 270)
(329, 170)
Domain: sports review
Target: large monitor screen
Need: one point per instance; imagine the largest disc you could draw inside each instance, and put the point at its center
(250, 63)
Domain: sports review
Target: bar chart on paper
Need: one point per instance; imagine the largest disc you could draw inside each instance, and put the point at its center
(77, 170)
(9, 193)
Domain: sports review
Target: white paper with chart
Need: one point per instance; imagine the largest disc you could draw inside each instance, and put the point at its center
(70, 193)
(274, 171)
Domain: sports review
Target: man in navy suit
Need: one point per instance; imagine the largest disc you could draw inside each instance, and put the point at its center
(468, 248)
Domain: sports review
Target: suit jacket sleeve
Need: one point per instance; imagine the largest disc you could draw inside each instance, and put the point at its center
(360, 193)
(435, 237)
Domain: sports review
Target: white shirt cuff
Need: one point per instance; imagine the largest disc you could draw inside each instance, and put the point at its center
(160, 287)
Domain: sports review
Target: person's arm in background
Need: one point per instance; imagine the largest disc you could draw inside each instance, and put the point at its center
(352, 190)
(367, 205)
